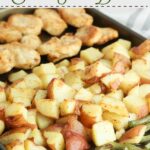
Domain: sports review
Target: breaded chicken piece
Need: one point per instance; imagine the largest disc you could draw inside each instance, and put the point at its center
(6, 61)
(32, 41)
(8, 33)
(108, 34)
(17, 55)
(91, 35)
(52, 22)
(27, 24)
(76, 17)
(57, 49)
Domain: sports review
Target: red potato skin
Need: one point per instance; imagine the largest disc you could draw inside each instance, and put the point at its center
(75, 141)
(131, 133)
(115, 85)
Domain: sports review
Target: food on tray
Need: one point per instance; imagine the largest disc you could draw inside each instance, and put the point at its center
(91, 35)
(26, 24)
(99, 98)
(52, 22)
(76, 17)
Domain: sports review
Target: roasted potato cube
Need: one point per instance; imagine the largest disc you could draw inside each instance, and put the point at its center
(97, 98)
(103, 133)
(119, 122)
(119, 133)
(15, 145)
(47, 78)
(3, 84)
(95, 88)
(134, 135)
(137, 105)
(54, 140)
(48, 108)
(76, 17)
(43, 121)
(61, 71)
(62, 63)
(130, 79)
(17, 75)
(113, 105)
(40, 94)
(91, 55)
(116, 94)
(59, 91)
(18, 134)
(83, 95)
(68, 107)
(18, 95)
(2, 126)
(90, 114)
(3, 106)
(73, 80)
(2, 94)
(48, 68)
(125, 43)
(29, 145)
(116, 47)
(95, 71)
(36, 137)
(54, 26)
(77, 64)
(112, 81)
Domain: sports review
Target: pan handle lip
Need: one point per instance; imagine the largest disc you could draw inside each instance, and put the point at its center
(14, 1)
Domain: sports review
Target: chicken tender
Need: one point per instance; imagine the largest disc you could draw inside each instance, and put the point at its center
(8, 33)
(57, 49)
(76, 17)
(31, 41)
(108, 34)
(52, 21)
(17, 55)
(26, 24)
(91, 35)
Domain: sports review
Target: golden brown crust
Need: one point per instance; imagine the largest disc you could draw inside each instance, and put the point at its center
(76, 16)
(26, 24)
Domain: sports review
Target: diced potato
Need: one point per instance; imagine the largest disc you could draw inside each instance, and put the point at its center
(40, 94)
(116, 47)
(90, 114)
(48, 108)
(15, 145)
(61, 71)
(113, 105)
(116, 94)
(47, 78)
(31, 117)
(95, 88)
(74, 80)
(36, 137)
(91, 55)
(3, 84)
(17, 75)
(134, 135)
(112, 81)
(59, 91)
(95, 71)
(118, 121)
(2, 126)
(67, 107)
(2, 94)
(64, 62)
(103, 133)
(84, 95)
(77, 64)
(119, 133)
(130, 80)
(97, 98)
(43, 121)
(19, 95)
(55, 140)
(137, 105)
(29, 145)
(125, 43)
(16, 115)
(18, 134)
(43, 69)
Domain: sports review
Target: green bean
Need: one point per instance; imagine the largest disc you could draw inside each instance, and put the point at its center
(143, 121)
(148, 127)
(145, 139)
(147, 146)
